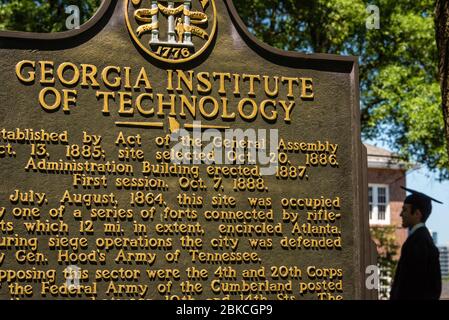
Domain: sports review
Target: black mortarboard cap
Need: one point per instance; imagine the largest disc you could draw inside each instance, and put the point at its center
(420, 201)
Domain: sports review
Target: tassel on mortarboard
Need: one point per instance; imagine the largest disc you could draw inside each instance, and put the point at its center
(420, 195)
(420, 201)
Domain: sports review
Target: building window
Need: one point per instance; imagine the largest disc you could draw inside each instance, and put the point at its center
(379, 208)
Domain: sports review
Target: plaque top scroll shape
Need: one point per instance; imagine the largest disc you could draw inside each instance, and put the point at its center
(174, 31)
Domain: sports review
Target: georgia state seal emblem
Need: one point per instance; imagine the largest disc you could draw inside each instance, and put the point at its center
(173, 31)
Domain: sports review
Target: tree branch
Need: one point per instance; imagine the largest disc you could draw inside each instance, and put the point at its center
(442, 38)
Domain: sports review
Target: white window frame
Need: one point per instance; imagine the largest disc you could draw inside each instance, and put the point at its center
(375, 215)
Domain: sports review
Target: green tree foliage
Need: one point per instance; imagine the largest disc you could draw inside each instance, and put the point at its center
(398, 63)
(42, 15)
(401, 99)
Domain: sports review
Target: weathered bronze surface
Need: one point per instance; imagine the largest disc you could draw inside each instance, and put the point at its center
(325, 111)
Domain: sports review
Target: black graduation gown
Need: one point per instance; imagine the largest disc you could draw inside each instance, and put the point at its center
(418, 274)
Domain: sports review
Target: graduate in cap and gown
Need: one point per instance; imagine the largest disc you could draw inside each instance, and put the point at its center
(418, 274)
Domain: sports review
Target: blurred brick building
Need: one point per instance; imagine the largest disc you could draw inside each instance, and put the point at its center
(386, 175)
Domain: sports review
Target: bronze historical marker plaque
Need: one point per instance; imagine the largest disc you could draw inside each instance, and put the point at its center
(161, 152)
